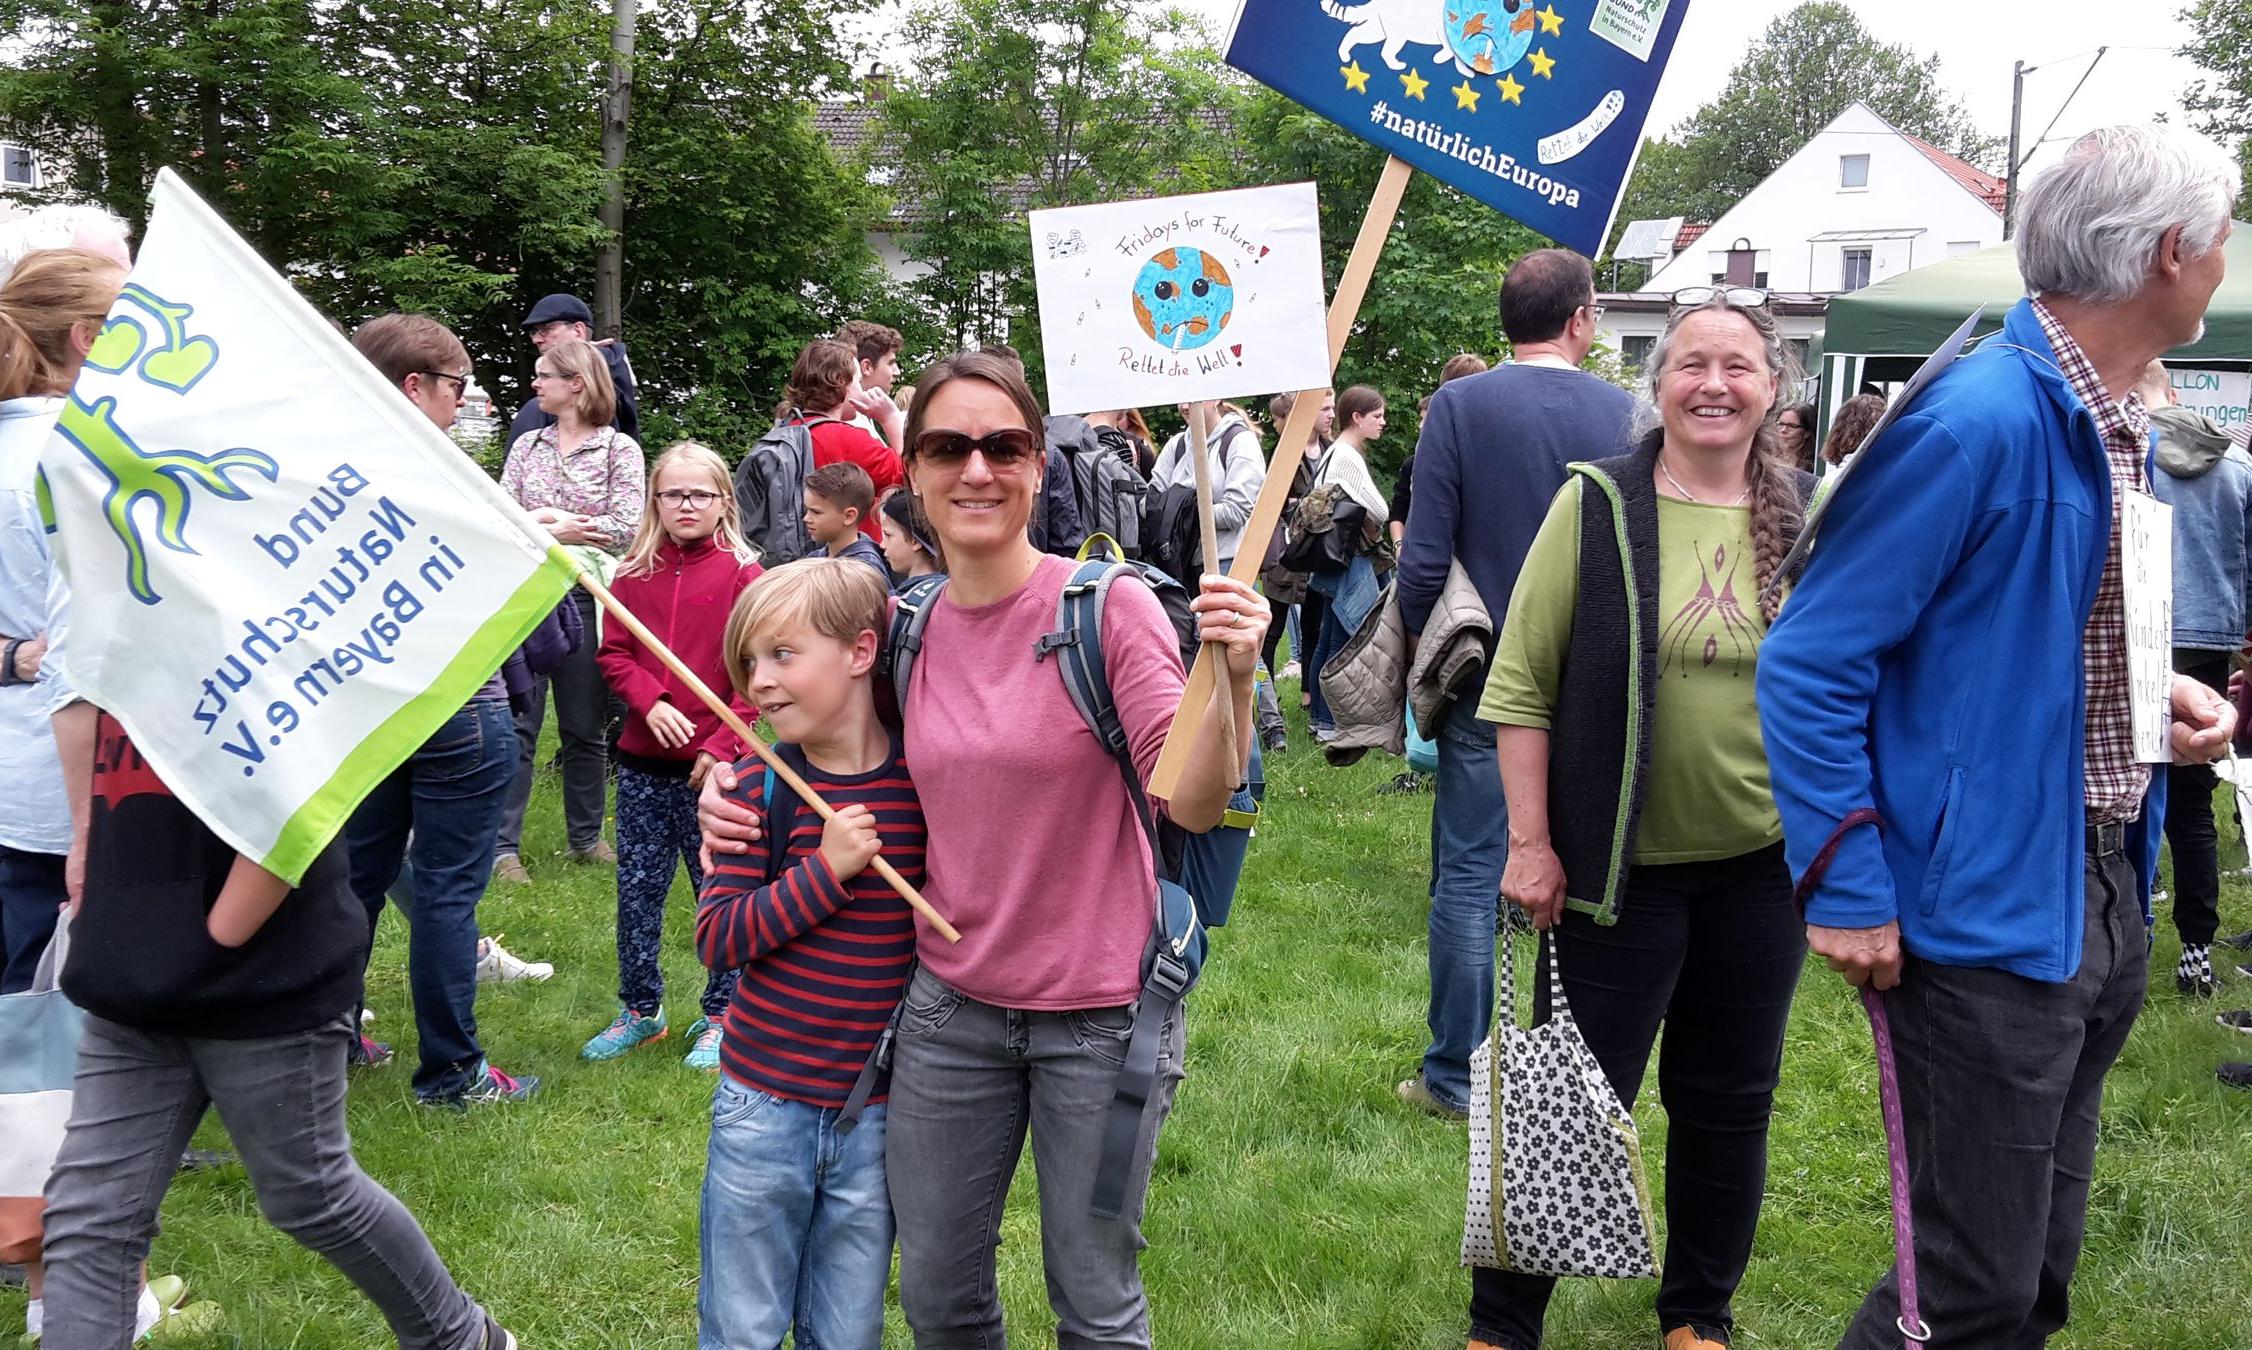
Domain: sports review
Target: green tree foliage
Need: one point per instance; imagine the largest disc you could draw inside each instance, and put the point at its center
(444, 156)
(1807, 67)
(2220, 35)
(1020, 104)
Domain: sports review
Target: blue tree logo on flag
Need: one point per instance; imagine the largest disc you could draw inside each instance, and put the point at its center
(162, 478)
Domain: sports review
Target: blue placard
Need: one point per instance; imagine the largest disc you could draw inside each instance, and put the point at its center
(1534, 107)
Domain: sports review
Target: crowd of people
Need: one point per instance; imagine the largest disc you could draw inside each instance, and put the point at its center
(1681, 758)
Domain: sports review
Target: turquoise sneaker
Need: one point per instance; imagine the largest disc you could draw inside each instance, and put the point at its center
(629, 1030)
(704, 1037)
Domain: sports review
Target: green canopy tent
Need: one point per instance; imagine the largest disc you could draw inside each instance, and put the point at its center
(1881, 333)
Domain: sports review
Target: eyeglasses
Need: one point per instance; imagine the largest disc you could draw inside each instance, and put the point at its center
(538, 375)
(1005, 450)
(1594, 312)
(461, 382)
(676, 497)
(1742, 297)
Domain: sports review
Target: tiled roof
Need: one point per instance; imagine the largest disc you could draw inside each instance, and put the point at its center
(1690, 234)
(1979, 183)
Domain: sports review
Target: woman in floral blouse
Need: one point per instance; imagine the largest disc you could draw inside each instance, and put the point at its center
(586, 482)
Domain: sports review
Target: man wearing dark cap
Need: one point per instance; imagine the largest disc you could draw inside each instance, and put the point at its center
(560, 316)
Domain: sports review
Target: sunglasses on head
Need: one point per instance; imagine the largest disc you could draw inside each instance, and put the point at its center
(1008, 448)
(1742, 297)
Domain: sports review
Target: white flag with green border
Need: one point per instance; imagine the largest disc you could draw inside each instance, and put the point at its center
(283, 578)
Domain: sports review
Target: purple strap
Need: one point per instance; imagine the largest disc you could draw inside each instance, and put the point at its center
(1911, 1323)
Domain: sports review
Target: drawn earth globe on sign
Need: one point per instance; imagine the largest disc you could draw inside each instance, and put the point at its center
(1489, 36)
(1183, 298)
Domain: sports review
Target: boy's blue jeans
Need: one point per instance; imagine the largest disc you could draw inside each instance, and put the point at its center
(796, 1226)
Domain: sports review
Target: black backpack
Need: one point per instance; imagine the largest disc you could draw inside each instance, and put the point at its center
(1171, 536)
(770, 491)
(1109, 494)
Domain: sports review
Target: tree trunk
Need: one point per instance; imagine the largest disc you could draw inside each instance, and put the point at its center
(609, 267)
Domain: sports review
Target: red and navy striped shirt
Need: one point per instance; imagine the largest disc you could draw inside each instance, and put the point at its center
(823, 961)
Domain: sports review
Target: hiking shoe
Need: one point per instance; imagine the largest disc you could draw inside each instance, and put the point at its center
(1417, 1093)
(490, 1085)
(704, 1037)
(2236, 1019)
(2193, 974)
(497, 965)
(195, 1321)
(366, 1052)
(627, 1030)
(597, 852)
(510, 868)
(1406, 785)
(2236, 942)
(2235, 1076)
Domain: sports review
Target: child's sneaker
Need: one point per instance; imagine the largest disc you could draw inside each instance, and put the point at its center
(490, 1085)
(629, 1030)
(704, 1039)
(497, 965)
(197, 1322)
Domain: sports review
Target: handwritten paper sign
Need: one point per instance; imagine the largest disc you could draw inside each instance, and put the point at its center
(2146, 565)
(1181, 299)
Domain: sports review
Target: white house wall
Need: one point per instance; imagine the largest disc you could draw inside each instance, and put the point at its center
(1802, 199)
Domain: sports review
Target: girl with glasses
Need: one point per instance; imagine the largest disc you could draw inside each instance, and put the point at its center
(687, 564)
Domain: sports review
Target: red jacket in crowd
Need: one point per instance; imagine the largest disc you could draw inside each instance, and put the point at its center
(684, 600)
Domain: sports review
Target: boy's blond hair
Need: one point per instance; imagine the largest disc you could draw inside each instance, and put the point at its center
(839, 598)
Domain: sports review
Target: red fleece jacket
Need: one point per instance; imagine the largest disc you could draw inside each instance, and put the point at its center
(685, 600)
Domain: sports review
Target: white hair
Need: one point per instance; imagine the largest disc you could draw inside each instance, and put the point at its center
(2090, 228)
(57, 227)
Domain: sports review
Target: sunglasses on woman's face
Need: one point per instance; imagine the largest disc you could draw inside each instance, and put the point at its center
(1005, 450)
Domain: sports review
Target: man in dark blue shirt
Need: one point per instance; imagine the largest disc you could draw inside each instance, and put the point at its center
(1490, 459)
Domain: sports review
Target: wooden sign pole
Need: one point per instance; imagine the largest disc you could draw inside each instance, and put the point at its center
(1344, 308)
(1212, 654)
(774, 761)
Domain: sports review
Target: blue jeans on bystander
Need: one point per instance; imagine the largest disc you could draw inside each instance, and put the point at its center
(796, 1226)
(1469, 844)
(450, 796)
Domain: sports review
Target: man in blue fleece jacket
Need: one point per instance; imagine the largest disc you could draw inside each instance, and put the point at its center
(1946, 712)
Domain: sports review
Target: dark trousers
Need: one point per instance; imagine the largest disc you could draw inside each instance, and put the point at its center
(2000, 1081)
(582, 712)
(656, 836)
(31, 895)
(449, 796)
(1332, 641)
(1712, 950)
(2189, 819)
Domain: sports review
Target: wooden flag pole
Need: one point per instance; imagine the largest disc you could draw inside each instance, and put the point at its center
(774, 761)
(1200, 437)
(1344, 308)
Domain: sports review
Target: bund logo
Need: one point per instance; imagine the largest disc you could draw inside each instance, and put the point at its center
(176, 362)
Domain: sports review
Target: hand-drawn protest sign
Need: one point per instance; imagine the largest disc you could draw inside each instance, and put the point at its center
(1534, 107)
(283, 578)
(1180, 299)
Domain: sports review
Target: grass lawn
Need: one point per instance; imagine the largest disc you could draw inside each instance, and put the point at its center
(1295, 1204)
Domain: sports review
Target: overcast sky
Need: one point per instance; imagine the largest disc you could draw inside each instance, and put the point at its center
(1976, 41)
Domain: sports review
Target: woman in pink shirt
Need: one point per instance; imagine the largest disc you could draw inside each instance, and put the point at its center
(1036, 855)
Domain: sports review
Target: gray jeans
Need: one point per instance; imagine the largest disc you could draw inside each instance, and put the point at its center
(138, 1098)
(2000, 1081)
(582, 709)
(967, 1080)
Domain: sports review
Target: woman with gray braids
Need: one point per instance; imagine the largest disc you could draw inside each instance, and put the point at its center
(1633, 636)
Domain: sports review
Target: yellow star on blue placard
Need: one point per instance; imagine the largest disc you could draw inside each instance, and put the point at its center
(1551, 22)
(1414, 84)
(1465, 96)
(1511, 91)
(1543, 63)
(1356, 79)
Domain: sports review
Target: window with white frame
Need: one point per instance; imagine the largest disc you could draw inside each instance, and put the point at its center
(1853, 268)
(1853, 171)
(1634, 352)
(18, 167)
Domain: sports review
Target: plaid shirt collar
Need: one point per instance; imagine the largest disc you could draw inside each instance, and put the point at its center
(2123, 423)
